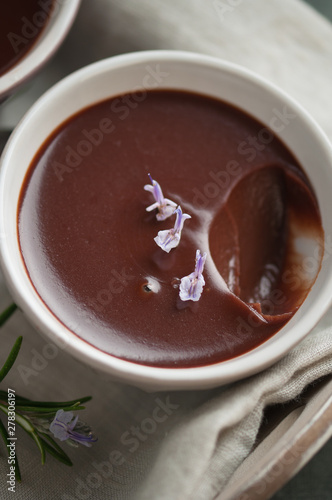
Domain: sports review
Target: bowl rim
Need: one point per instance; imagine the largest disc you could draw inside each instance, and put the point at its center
(46, 45)
(142, 375)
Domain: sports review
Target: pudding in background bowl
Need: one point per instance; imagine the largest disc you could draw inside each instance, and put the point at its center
(30, 33)
(264, 243)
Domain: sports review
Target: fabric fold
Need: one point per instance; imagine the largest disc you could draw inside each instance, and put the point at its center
(209, 445)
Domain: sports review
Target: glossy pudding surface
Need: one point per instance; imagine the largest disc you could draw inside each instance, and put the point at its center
(88, 242)
(21, 23)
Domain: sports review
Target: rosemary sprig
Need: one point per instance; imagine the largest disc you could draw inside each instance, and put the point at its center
(41, 419)
(26, 425)
(48, 410)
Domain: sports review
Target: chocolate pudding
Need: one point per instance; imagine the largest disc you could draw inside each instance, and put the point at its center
(88, 244)
(21, 23)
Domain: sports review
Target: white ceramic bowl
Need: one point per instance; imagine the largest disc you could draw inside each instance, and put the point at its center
(179, 70)
(49, 41)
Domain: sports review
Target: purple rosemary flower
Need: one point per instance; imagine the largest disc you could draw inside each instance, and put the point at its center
(164, 205)
(63, 428)
(191, 286)
(170, 238)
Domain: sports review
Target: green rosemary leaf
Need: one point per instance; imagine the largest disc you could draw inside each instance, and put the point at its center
(20, 419)
(47, 409)
(29, 428)
(55, 450)
(81, 400)
(11, 358)
(4, 435)
(18, 399)
(3, 394)
(51, 404)
(39, 442)
(6, 314)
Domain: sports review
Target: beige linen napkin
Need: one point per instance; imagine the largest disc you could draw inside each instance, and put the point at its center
(194, 447)
(205, 449)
